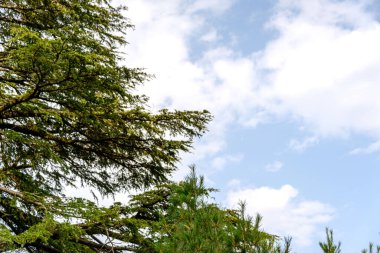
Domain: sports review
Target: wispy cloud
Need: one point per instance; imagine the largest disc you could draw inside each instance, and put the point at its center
(216, 6)
(372, 148)
(274, 166)
(301, 145)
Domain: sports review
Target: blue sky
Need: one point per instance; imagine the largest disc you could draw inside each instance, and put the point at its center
(294, 88)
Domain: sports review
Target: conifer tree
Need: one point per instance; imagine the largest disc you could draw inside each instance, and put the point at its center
(329, 246)
(68, 114)
(183, 218)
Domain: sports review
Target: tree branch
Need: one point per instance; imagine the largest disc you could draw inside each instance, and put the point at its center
(20, 195)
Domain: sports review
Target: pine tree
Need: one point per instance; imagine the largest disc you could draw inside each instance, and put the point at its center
(186, 220)
(68, 114)
(329, 246)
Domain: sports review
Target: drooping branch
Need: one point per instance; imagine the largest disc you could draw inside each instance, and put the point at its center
(21, 196)
(68, 114)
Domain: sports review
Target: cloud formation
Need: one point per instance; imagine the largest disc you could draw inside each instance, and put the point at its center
(217, 80)
(283, 213)
(321, 71)
(372, 148)
(324, 66)
(301, 145)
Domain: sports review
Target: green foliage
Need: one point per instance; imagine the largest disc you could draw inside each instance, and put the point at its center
(330, 246)
(68, 114)
(67, 109)
(371, 249)
(186, 221)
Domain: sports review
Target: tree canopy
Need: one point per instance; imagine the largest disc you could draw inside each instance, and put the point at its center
(184, 219)
(67, 109)
(68, 115)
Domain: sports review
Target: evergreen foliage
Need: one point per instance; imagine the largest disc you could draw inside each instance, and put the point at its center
(371, 249)
(329, 246)
(67, 115)
(194, 225)
(184, 219)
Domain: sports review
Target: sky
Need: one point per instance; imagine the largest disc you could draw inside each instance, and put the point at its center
(294, 88)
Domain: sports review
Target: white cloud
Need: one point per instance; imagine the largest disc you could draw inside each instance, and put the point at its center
(324, 66)
(218, 80)
(216, 6)
(301, 145)
(284, 214)
(348, 13)
(274, 166)
(372, 148)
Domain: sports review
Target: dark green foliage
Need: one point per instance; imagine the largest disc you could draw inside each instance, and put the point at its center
(68, 114)
(172, 217)
(66, 107)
